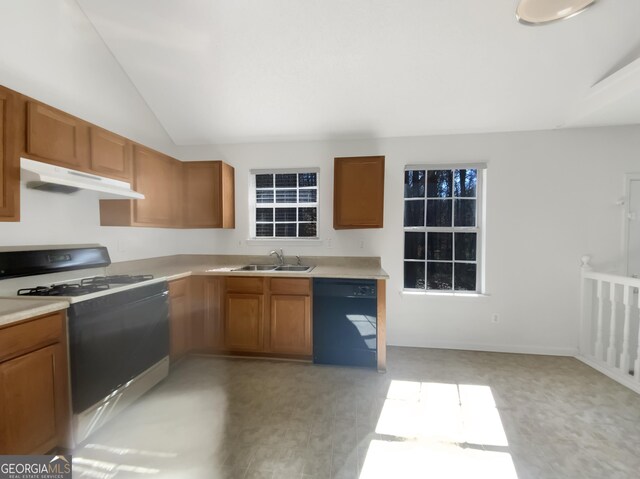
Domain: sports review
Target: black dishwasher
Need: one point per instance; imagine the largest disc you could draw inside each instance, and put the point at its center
(345, 322)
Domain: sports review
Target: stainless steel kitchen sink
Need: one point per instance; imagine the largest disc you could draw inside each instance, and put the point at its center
(296, 268)
(257, 267)
(275, 268)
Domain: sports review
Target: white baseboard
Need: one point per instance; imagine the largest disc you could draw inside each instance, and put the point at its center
(495, 348)
(624, 379)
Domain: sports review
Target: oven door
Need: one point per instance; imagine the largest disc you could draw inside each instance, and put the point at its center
(114, 338)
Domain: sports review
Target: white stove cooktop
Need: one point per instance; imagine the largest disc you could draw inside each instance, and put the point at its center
(9, 287)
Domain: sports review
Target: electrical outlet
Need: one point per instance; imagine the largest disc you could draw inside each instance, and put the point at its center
(494, 318)
(329, 243)
(361, 244)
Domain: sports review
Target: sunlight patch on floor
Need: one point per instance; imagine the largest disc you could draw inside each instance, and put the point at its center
(441, 430)
(121, 451)
(110, 469)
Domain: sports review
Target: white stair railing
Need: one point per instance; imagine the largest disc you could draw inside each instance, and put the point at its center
(610, 341)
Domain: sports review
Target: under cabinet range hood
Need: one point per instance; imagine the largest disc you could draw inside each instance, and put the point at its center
(46, 177)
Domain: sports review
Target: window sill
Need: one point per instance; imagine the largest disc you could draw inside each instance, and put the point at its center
(283, 241)
(444, 294)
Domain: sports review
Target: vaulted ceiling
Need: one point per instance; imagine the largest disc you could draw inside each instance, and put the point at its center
(235, 71)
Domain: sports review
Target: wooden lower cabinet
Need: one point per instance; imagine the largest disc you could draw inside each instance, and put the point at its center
(213, 312)
(34, 386)
(262, 315)
(250, 315)
(290, 325)
(244, 322)
(179, 319)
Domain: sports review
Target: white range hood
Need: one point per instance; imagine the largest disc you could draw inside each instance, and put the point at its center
(57, 179)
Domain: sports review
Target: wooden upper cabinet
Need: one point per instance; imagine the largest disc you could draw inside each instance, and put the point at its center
(358, 192)
(10, 120)
(56, 137)
(61, 139)
(158, 178)
(110, 154)
(209, 195)
(154, 177)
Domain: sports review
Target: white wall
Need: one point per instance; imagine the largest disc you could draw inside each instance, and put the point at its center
(54, 218)
(551, 195)
(51, 52)
(550, 199)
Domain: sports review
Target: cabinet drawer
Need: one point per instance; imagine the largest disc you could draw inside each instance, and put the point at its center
(178, 288)
(291, 286)
(24, 337)
(245, 284)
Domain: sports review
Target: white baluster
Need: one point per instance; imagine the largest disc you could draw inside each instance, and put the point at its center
(625, 359)
(611, 350)
(636, 365)
(586, 311)
(599, 345)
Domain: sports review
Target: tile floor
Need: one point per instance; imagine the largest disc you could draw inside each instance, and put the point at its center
(434, 414)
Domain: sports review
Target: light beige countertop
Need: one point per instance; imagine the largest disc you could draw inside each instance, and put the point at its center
(180, 266)
(18, 309)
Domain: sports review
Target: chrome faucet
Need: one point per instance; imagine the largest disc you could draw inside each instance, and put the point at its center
(279, 255)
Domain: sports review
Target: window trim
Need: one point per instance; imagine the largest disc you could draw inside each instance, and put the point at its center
(479, 229)
(253, 204)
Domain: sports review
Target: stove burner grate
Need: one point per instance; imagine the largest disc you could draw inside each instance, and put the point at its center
(68, 289)
(85, 286)
(116, 279)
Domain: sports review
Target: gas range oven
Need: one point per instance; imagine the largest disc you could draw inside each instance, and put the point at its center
(92, 287)
(118, 326)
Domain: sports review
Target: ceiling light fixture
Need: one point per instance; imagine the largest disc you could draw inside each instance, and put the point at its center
(540, 12)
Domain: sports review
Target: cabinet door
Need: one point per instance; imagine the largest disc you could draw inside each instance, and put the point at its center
(201, 194)
(227, 196)
(32, 406)
(213, 318)
(177, 194)
(9, 156)
(179, 319)
(244, 322)
(110, 154)
(153, 174)
(56, 137)
(209, 195)
(358, 193)
(291, 324)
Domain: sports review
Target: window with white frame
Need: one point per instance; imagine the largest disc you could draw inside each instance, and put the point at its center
(442, 219)
(284, 203)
